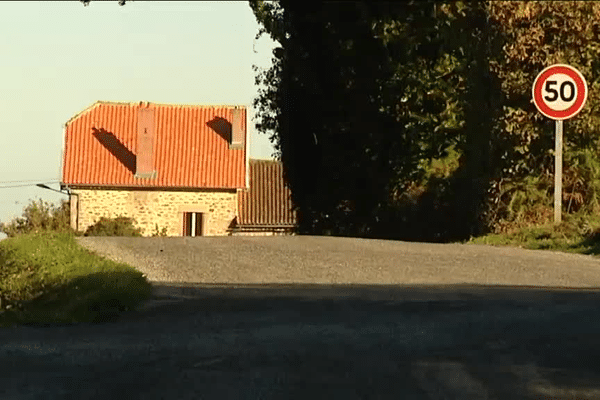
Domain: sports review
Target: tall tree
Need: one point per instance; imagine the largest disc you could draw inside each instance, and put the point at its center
(323, 105)
(358, 96)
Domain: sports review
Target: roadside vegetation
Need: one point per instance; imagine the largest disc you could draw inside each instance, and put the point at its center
(577, 233)
(47, 278)
(523, 212)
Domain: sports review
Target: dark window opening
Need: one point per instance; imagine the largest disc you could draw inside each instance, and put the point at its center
(192, 224)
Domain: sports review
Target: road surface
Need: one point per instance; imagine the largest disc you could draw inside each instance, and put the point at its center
(337, 331)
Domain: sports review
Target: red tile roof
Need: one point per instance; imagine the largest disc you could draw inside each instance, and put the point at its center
(191, 147)
(268, 200)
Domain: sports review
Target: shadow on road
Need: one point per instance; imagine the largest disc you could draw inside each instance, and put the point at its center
(336, 341)
(478, 341)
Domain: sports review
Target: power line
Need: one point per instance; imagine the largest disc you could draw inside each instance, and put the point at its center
(25, 185)
(32, 180)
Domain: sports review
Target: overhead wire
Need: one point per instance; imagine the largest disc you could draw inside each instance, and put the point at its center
(27, 184)
(31, 180)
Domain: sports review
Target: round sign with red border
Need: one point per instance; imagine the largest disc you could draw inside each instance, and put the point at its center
(559, 91)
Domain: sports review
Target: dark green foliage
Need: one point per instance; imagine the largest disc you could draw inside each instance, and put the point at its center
(119, 226)
(40, 216)
(364, 97)
(361, 96)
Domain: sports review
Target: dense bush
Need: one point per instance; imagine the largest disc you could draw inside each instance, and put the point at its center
(119, 226)
(40, 216)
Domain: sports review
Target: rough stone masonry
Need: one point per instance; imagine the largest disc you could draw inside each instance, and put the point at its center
(155, 209)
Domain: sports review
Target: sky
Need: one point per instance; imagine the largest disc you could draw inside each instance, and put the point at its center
(58, 58)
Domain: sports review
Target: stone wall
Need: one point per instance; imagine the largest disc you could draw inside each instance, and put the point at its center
(154, 209)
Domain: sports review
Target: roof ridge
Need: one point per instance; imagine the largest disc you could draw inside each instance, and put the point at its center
(136, 103)
(146, 103)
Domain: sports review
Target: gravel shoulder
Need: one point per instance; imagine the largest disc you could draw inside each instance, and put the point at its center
(335, 260)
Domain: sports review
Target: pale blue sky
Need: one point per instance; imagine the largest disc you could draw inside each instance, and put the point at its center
(57, 58)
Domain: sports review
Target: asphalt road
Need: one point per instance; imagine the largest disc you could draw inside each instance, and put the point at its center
(411, 340)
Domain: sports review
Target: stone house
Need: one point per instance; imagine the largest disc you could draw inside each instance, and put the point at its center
(174, 167)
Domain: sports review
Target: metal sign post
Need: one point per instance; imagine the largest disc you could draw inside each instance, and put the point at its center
(558, 145)
(559, 92)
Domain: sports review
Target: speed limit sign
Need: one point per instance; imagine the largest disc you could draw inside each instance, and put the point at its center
(559, 92)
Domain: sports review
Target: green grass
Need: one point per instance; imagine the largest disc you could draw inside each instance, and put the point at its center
(47, 278)
(576, 234)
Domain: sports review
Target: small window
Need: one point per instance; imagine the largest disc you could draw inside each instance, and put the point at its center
(192, 224)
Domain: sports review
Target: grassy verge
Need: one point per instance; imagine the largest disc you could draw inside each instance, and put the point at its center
(575, 235)
(48, 278)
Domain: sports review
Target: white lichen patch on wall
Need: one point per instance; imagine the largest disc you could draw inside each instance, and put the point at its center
(151, 209)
